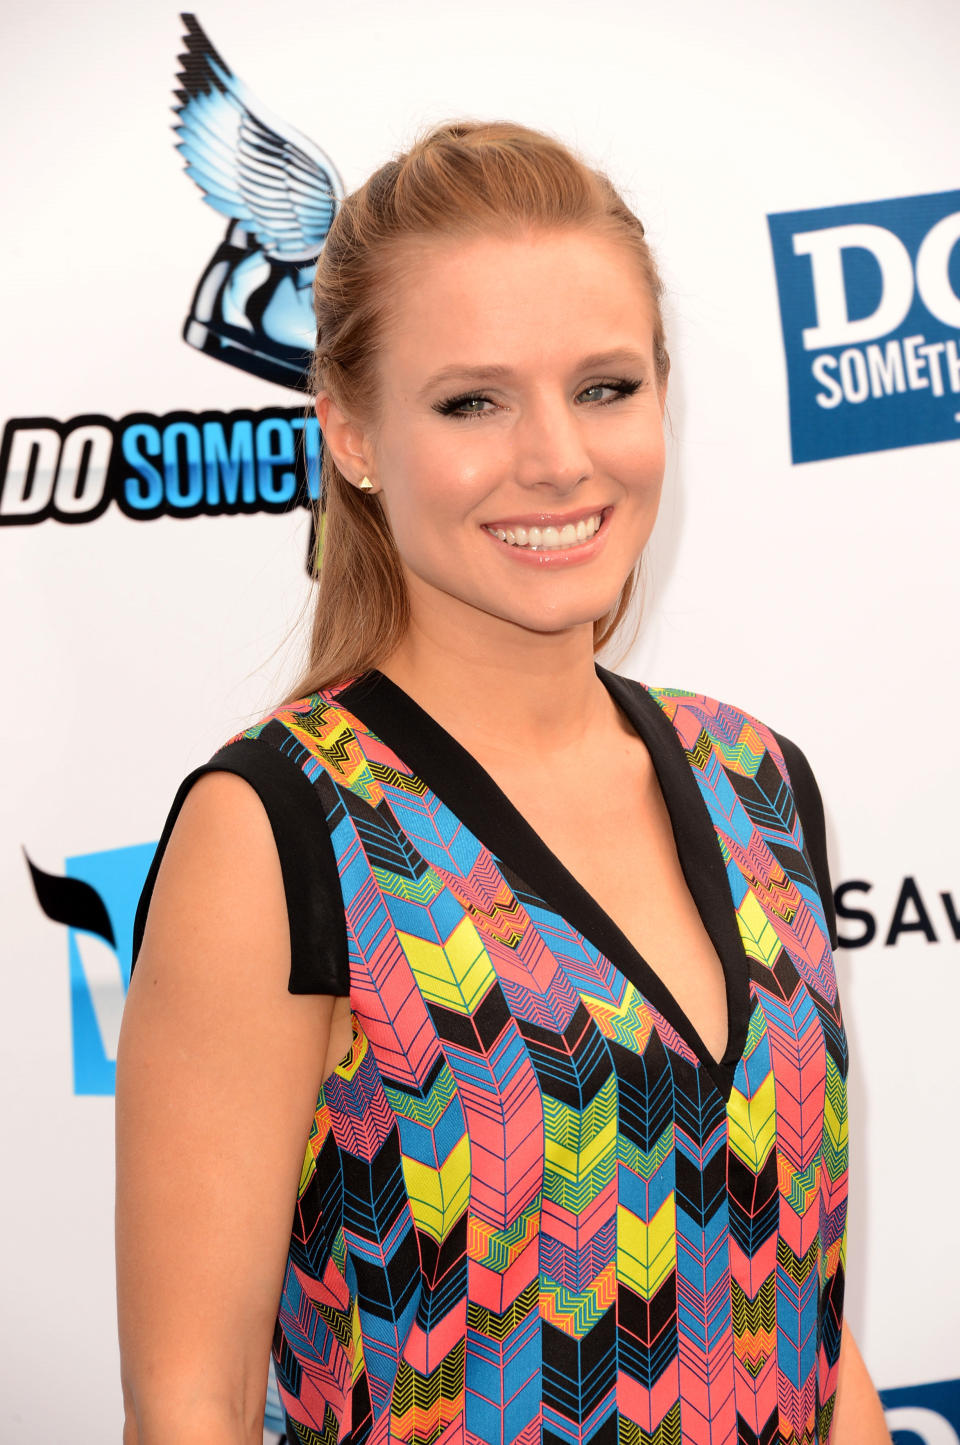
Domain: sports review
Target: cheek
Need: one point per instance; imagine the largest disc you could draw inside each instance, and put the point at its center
(641, 466)
(440, 482)
(430, 494)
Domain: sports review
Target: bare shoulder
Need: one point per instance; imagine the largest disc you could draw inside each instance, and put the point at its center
(219, 880)
(215, 956)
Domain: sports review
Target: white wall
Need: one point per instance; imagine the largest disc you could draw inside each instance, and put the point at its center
(822, 596)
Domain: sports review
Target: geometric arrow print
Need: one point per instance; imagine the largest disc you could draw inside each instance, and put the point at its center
(550, 1225)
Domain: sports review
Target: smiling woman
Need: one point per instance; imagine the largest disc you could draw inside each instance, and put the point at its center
(461, 190)
(484, 1062)
(564, 427)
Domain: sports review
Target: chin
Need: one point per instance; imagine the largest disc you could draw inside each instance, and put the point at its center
(559, 620)
(572, 612)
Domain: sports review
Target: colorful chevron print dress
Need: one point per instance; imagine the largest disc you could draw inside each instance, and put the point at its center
(533, 1208)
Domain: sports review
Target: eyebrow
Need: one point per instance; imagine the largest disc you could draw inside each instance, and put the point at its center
(617, 356)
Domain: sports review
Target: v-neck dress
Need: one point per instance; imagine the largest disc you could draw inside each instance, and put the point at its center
(533, 1207)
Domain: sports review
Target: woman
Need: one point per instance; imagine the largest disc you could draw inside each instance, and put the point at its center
(506, 979)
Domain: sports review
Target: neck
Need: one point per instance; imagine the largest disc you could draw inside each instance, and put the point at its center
(500, 688)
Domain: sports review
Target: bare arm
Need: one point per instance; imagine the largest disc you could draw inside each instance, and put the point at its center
(857, 1415)
(218, 1071)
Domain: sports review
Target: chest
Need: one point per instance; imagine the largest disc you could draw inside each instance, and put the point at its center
(654, 858)
(614, 835)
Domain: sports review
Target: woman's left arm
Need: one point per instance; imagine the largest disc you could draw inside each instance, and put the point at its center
(857, 1413)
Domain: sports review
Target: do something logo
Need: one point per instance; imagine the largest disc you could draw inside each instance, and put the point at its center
(252, 309)
(870, 307)
(924, 1414)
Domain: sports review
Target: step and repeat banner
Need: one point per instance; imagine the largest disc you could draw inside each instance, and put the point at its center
(798, 170)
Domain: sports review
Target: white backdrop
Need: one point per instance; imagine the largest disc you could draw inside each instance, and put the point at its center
(822, 596)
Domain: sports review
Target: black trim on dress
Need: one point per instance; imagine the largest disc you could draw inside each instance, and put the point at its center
(806, 795)
(319, 962)
(463, 785)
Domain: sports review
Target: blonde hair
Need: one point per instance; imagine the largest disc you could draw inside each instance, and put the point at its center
(461, 179)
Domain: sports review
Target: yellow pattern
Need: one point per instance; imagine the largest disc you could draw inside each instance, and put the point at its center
(423, 1407)
(798, 1267)
(356, 1363)
(646, 1253)
(423, 892)
(319, 1130)
(630, 1022)
(798, 1186)
(754, 1324)
(760, 939)
(580, 1147)
(667, 1432)
(835, 1121)
(744, 755)
(701, 751)
(645, 1162)
(753, 1124)
(339, 749)
(456, 974)
(438, 1197)
(404, 782)
(355, 1055)
(577, 1311)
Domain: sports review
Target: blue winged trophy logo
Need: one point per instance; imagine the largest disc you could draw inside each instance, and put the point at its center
(279, 192)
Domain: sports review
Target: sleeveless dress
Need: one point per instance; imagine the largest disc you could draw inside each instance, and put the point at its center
(533, 1208)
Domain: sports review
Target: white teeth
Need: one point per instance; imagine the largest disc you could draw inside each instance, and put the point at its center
(545, 539)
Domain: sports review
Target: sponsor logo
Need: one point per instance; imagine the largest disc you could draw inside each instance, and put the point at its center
(924, 1414)
(252, 307)
(183, 465)
(870, 306)
(936, 915)
(96, 899)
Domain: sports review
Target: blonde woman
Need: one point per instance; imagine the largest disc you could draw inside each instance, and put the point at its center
(483, 1058)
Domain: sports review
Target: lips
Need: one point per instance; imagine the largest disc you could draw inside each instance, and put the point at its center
(548, 532)
(545, 519)
(550, 538)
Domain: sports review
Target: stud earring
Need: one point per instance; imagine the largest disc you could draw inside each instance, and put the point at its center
(365, 484)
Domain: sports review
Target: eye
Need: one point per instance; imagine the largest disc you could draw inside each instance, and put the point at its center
(471, 403)
(624, 386)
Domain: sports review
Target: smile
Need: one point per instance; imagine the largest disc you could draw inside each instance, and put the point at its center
(549, 539)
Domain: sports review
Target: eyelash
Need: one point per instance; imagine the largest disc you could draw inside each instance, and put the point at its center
(623, 387)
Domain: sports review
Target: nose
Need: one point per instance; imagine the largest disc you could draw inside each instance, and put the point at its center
(550, 447)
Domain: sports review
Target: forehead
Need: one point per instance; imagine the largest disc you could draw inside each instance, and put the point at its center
(517, 299)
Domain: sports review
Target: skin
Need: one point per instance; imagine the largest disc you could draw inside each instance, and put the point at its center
(499, 648)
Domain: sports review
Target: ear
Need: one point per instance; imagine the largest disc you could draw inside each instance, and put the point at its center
(346, 440)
